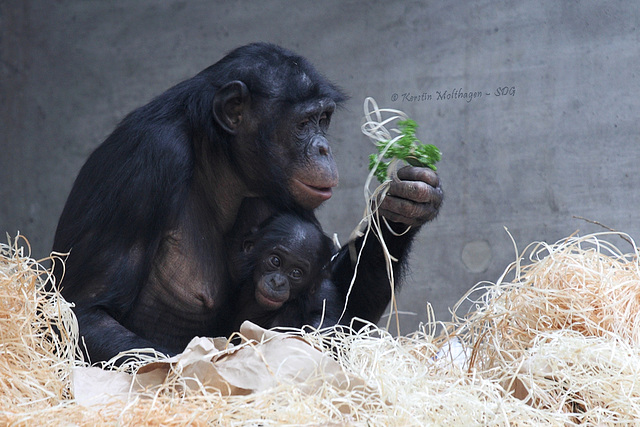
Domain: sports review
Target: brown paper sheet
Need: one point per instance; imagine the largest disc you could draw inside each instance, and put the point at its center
(264, 359)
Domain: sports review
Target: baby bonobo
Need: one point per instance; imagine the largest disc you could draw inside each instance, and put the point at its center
(281, 270)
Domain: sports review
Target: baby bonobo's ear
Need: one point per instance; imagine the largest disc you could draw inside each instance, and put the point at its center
(247, 246)
(250, 240)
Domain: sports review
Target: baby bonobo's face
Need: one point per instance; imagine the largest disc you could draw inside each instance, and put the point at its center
(281, 274)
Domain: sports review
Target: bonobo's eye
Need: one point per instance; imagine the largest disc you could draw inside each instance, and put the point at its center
(302, 124)
(296, 273)
(274, 260)
(325, 119)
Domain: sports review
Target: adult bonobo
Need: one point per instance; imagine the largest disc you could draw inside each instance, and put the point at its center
(146, 219)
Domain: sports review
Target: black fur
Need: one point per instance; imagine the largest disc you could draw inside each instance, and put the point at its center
(298, 245)
(146, 220)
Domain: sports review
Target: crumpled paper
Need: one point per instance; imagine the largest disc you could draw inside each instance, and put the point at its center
(264, 359)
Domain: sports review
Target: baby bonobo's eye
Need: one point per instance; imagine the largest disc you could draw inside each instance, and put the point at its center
(296, 273)
(274, 260)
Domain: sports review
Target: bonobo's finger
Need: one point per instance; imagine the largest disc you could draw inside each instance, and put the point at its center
(415, 199)
(416, 191)
(424, 174)
(407, 212)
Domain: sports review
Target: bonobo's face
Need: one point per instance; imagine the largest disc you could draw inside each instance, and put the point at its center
(313, 171)
(276, 113)
(281, 149)
(280, 275)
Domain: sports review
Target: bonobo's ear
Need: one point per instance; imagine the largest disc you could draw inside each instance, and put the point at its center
(229, 103)
(247, 246)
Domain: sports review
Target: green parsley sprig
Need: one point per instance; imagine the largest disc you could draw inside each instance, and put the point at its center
(407, 148)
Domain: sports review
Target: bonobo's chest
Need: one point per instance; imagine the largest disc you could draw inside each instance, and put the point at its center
(189, 272)
(186, 294)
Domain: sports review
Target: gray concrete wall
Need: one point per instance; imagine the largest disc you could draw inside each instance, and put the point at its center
(563, 143)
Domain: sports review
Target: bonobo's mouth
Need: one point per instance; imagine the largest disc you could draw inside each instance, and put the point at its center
(316, 195)
(269, 303)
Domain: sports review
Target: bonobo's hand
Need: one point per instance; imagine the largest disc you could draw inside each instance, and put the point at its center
(415, 199)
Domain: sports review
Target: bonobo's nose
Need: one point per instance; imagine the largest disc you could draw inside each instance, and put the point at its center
(278, 281)
(322, 145)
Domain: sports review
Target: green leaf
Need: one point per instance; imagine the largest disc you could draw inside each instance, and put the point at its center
(407, 148)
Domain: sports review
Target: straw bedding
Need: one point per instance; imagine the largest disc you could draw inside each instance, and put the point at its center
(554, 341)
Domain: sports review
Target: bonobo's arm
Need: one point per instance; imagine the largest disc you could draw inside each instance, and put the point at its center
(412, 201)
(126, 195)
(107, 337)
